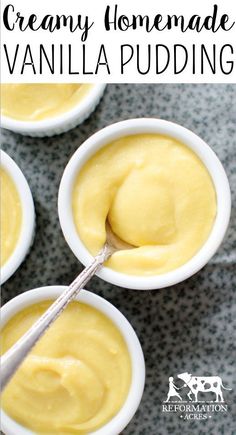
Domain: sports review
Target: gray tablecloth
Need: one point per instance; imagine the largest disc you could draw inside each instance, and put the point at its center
(186, 328)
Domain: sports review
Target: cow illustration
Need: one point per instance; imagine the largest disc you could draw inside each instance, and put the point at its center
(203, 384)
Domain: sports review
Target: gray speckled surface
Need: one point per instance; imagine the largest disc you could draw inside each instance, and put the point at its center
(189, 327)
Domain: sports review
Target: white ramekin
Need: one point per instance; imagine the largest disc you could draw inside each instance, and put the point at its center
(132, 127)
(28, 217)
(61, 123)
(120, 421)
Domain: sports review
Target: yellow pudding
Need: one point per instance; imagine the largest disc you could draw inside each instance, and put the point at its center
(34, 102)
(75, 379)
(157, 196)
(10, 216)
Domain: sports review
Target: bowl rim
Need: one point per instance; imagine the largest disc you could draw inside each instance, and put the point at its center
(133, 127)
(56, 122)
(28, 217)
(126, 413)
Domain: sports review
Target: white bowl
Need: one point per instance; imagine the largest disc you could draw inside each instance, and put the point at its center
(132, 127)
(28, 217)
(61, 123)
(120, 421)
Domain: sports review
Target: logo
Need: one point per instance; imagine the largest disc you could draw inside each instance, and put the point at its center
(195, 397)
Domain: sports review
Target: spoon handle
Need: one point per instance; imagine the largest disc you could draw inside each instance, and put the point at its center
(11, 360)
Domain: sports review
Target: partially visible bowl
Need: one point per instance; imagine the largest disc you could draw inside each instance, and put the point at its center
(59, 124)
(133, 127)
(121, 420)
(28, 217)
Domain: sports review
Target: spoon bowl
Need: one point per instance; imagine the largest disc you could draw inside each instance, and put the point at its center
(114, 242)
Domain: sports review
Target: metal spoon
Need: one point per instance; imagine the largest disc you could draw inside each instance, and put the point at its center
(12, 359)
